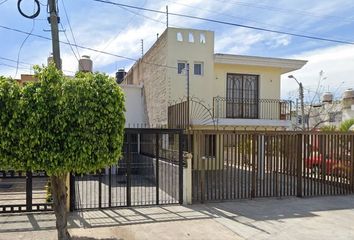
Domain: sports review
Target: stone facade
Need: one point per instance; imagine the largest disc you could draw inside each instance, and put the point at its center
(151, 73)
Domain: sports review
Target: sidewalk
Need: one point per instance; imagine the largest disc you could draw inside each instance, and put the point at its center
(292, 218)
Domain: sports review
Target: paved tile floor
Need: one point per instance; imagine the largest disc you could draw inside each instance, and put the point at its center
(290, 218)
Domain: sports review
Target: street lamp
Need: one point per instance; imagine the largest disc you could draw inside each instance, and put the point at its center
(301, 95)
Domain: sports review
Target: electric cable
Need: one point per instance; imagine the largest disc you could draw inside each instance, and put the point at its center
(229, 23)
(87, 48)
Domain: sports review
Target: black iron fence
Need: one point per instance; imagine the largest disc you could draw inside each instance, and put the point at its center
(23, 192)
(272, 109)
(235, 165)
(147, 174)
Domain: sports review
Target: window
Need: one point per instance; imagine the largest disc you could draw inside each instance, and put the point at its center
(202, 38)
(306, 119)
(242, 94)
(198, 68)
(179, 37)
(191, 37)
(181, 66)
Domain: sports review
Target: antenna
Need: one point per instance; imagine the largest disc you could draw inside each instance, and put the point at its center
(157, 35)
(167, 16)
(142, 47)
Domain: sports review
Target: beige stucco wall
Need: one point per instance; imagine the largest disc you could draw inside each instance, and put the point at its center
(200, 86)
(269, 79)
(164, 86)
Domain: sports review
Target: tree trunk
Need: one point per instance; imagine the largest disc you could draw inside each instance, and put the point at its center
(59, 195)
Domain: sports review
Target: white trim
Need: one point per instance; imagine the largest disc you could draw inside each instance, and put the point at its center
(286, 64)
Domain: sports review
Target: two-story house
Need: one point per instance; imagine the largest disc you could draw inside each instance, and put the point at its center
(221, 90)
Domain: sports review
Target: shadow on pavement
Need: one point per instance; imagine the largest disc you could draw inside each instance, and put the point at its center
(244, 212)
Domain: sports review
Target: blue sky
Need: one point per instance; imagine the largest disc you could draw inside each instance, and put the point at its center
(119, 31)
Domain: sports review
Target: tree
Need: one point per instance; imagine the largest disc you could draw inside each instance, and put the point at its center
(318, 113)
(345, 125)
(66, 125)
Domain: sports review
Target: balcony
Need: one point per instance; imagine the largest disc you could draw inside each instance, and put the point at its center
(234, 112)
(267, 109)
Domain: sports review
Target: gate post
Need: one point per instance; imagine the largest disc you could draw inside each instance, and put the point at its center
(352, 162)
(157, 149)
(28, 191)
(100, 189)
(128, 159)
(253, 164)
(187, 179)
(299, 165)
(180, 168)
(72, 192)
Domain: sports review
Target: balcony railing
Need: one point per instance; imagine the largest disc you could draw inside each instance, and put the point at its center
(272, 109)
(178, 115)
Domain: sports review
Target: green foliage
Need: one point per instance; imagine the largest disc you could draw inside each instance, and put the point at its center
(344, 126)
(9, 107)
(48, 189)
(68, 124)
(328, 128)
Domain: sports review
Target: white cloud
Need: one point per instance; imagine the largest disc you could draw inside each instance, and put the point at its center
(336, 62)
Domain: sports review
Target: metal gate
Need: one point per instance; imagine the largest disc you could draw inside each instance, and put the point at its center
(23, 192)
(149, 173)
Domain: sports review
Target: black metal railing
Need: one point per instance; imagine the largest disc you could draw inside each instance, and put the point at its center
(272, 109)
(178, 115)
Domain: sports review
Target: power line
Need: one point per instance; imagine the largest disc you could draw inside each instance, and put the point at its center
(285, 10)
(234, 17)
(86, 48)
(71, 30)
(3, 2)
(27, 63)
(120, 31)
(230, 23)
(29, 34)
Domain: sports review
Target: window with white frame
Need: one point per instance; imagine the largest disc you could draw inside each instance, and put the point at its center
(181, 66)
(198, 68)
(202, 38)
(179, 37)
(191, 37)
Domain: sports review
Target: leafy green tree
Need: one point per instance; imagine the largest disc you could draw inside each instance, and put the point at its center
(345, 125)
(66, 125)
(9, 103)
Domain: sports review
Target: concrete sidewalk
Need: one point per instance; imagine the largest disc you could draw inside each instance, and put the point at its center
(292, 218)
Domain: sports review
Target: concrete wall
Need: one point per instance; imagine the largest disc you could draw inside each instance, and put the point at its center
(134, 105)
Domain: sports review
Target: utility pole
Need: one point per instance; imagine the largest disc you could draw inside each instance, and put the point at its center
(188, 100)
(301, 96)
(167, 16)
(301, 93)
(54, 20)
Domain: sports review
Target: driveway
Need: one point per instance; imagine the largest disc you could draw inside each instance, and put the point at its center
(290, 218)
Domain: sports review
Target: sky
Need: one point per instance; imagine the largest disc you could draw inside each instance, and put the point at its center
(119, 31)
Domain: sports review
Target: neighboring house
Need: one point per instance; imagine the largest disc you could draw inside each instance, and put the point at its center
(25, 78)
(328, 112)
(225, 90)
(134, 106)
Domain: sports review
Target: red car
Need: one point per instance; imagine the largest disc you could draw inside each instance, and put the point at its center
(317, 164)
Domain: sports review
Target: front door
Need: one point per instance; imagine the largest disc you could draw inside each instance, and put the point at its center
(242, 96)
